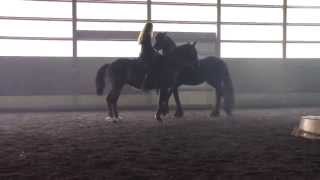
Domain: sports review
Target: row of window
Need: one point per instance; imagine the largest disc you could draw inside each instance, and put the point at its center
(28, 28)
(263, 2)
(159, 12)
(115, 49)
(204, 17)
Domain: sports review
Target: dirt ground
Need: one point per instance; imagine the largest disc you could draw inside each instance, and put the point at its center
(82, 145)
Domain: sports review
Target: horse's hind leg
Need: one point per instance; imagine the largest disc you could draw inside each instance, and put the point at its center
(115, 103)
(116, 90)
(109, 104)
(179, 110)
(216, 111)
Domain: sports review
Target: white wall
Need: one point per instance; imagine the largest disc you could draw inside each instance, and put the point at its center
(62, 84)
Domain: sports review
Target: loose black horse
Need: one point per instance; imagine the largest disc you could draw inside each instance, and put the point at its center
(212, 70)
(132, 72)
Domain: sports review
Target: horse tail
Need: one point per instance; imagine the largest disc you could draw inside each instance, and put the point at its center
(228, 91)
(100, 79)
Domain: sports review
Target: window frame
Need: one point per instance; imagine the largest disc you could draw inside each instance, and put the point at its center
(217, 22)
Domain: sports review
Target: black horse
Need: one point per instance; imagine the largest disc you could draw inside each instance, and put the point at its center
(212, 70)
(132, 72)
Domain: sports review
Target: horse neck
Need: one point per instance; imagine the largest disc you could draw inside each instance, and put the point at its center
(175, 57)
(170, 47)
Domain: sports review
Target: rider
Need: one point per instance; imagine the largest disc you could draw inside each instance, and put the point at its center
(147, 53)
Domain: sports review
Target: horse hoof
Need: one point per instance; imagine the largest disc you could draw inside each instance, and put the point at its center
(111, 119)
(165, 110)
(165, 113)
(228, 112)
(118, 119)
(178, 115)
(108, 118)
(158, 118)
(214, 114)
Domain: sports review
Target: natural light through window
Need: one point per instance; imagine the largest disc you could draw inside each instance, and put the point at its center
(299, 50)
(303, 33)
(251, 50)
(184, 27)
(111, 11)
(108, 48)
(187, 1)
(35, 48)
(235, 14)
(52, 20)
(31, 28)
(260, 2)
(303, 15)
(251, 32)
(20, 8)
(184, 13)
(110, 26)
(304, 2)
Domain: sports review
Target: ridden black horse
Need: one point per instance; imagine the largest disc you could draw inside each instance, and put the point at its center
(132, 72)
(212, 70)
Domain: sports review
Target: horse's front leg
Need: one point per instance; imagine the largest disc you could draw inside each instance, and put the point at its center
(159, 110)
(216, 112)
(165, 101)
(163, 107)
(179, 111)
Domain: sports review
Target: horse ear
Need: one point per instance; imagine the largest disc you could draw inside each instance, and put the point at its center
(194, 43)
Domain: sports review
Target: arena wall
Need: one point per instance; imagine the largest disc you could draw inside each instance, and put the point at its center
(38, 83)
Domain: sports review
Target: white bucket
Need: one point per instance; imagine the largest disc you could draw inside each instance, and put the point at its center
(309, 127)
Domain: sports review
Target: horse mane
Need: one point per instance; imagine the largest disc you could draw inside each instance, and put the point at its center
(169, 46)
(171, 43)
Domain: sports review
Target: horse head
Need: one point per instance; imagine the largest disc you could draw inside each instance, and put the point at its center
(164, 42)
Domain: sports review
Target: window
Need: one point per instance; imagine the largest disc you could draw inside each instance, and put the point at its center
(303, 3)
(260, 2)
(251, 32)
(110, 26)
(52, 48)
(15, 33)
(32, 28)
(303, 33)
(111, 11)
(299, 31)
(133, 0)
(183, 13)
(250, 14)
(254, 31)
(237, 30)
(303, 50)
(185, 27)
(108, 48)
(187, 1)
(251, 50)
(297, 15)
(15, 8)
(120, 11)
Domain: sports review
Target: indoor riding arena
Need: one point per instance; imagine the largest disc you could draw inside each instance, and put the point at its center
(232, 90)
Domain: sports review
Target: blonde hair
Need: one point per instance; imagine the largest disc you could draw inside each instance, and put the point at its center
(147, 29)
